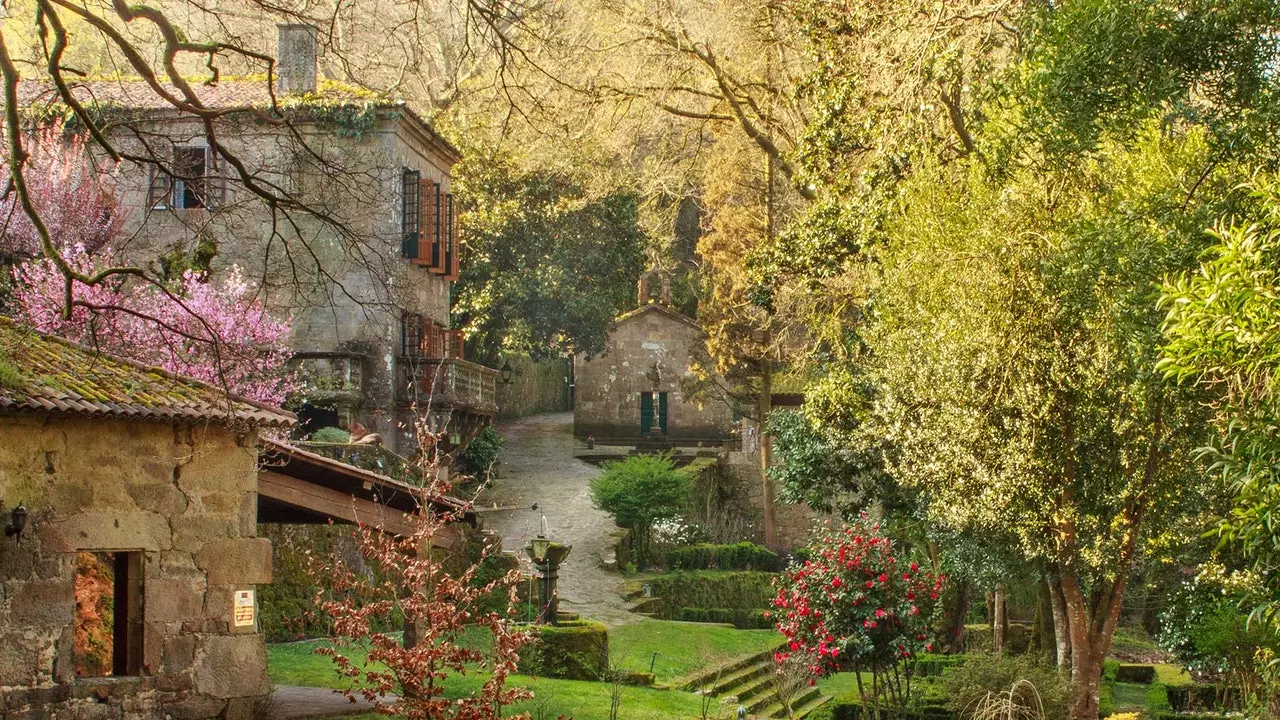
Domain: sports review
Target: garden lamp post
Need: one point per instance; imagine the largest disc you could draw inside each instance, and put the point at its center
(547, 555)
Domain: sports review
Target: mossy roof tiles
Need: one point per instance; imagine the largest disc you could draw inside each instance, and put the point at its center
(43, 373)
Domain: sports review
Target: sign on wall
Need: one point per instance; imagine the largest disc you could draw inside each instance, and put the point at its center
(245, 612)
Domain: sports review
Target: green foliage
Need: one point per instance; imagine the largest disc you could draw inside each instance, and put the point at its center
(981, 674)
(638, 492)
(573, 650)
(702, 589)
(1107, 688)
(546, 265)
(1223, 332)
(481, 453)
(330, 435)
(1158, 699)
(820, 468)
(1140, 674)
(740, 556)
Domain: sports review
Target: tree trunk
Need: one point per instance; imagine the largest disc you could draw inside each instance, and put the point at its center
(1042, 627)
(764, 407)
(998, 621)
(1061, 625)
(1090, 634)
(953, 641)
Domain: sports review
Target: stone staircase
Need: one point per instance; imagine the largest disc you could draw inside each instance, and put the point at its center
(750, 682)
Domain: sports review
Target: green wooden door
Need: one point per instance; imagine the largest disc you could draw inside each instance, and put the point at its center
(646, 413)
(662, 412)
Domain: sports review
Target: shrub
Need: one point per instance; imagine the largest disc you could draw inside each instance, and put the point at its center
(741, 556)
(330, 435)
(640, 491)
(479, 456)
(1107, 688)
(1158, 699)
(854, 606)
(1124, 716)
(741, 618)
(738, 589)
(968, 683)
(929, 666)
(573, 650)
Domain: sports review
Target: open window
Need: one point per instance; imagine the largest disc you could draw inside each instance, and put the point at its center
(411, 213)
(191, 181)
(108, 628)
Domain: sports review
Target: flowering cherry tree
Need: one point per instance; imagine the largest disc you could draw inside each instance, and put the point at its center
(72, 194)
(217, 332)
(438, 597)
(855, 605)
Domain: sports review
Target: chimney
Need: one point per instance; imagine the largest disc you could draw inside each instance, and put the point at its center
(665, 297)
(295, 59)
(642, 290)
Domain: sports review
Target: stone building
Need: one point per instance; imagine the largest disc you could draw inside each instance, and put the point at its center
(130, 590)
(631, 393)
(359, 246)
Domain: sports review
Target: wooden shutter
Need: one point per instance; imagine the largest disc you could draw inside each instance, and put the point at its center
(159, 190)
(439, 230)
(453, 262)
(427, 218)
(410, 216)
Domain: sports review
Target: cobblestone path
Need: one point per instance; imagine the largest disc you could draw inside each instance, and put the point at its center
(538, 466)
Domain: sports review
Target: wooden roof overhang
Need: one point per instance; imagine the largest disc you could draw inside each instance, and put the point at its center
(300, 488)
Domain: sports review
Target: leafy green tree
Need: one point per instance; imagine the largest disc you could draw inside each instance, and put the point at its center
(1014, 349)
(1223, 333)
(640, 491)
(546, 266)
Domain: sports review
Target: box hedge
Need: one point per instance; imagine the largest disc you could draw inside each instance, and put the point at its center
(739, 556)
(703, 589)
(572, 650)
(1140, 674)
(741, 618)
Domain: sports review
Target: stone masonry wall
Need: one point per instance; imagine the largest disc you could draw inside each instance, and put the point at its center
(647, 352)
(185, 497)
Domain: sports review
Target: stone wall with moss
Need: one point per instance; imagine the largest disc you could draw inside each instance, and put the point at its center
(184, 497)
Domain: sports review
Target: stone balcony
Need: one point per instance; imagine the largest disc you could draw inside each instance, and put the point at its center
(449, 384)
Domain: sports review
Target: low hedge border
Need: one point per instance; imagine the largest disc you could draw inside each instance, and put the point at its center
(740, 618)
(739, 556)
(1140, 674)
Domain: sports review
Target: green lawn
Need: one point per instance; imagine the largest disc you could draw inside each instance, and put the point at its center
(1130, 697)
(1172, 675)
(682, 648)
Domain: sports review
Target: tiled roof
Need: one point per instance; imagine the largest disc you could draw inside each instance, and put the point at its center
(230, 95)
(47, 374)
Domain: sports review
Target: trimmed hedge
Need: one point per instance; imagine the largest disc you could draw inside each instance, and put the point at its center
(740, 556)
(930, 666)
(741, 618)
(1189, 698)
(572, 650)
(849, 707)
(1140, 674)
(702, 589)
(1107, 690)
(1158, 699)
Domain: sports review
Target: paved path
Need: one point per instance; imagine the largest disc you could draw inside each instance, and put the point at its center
(538, 466)
(290, 702)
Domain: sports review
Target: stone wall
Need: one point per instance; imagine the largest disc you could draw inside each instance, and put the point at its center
(648, 351)
(342, 290)
(792, 523)
(182, 496)
(536, 387)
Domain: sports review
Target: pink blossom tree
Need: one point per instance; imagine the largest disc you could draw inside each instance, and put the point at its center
(217, 332)
(74, 196)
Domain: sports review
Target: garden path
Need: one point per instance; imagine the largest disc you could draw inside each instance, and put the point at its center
(538, 466)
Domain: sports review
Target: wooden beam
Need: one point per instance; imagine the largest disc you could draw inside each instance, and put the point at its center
(334, 504)
(345, 508)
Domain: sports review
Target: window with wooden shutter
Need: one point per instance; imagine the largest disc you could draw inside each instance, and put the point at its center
(439, 230)
(453, 263)
(410, 213)
(215, 186)
(428, 193)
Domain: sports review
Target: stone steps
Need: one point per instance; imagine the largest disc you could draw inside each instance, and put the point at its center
(749, 682)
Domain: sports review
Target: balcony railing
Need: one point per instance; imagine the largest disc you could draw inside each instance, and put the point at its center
(449, 383)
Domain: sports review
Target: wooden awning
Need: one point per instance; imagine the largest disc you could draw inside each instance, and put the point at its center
(296, 486)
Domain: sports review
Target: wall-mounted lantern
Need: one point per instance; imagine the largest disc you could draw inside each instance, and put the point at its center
(17, 522)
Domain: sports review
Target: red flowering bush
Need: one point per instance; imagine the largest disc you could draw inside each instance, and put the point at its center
(855, 605)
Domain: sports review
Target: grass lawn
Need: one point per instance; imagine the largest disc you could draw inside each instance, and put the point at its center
(682, 649)
(1130, 697)
(1172, 675)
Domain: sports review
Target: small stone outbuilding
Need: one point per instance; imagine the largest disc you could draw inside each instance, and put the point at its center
(130, 591)
(631, 393)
